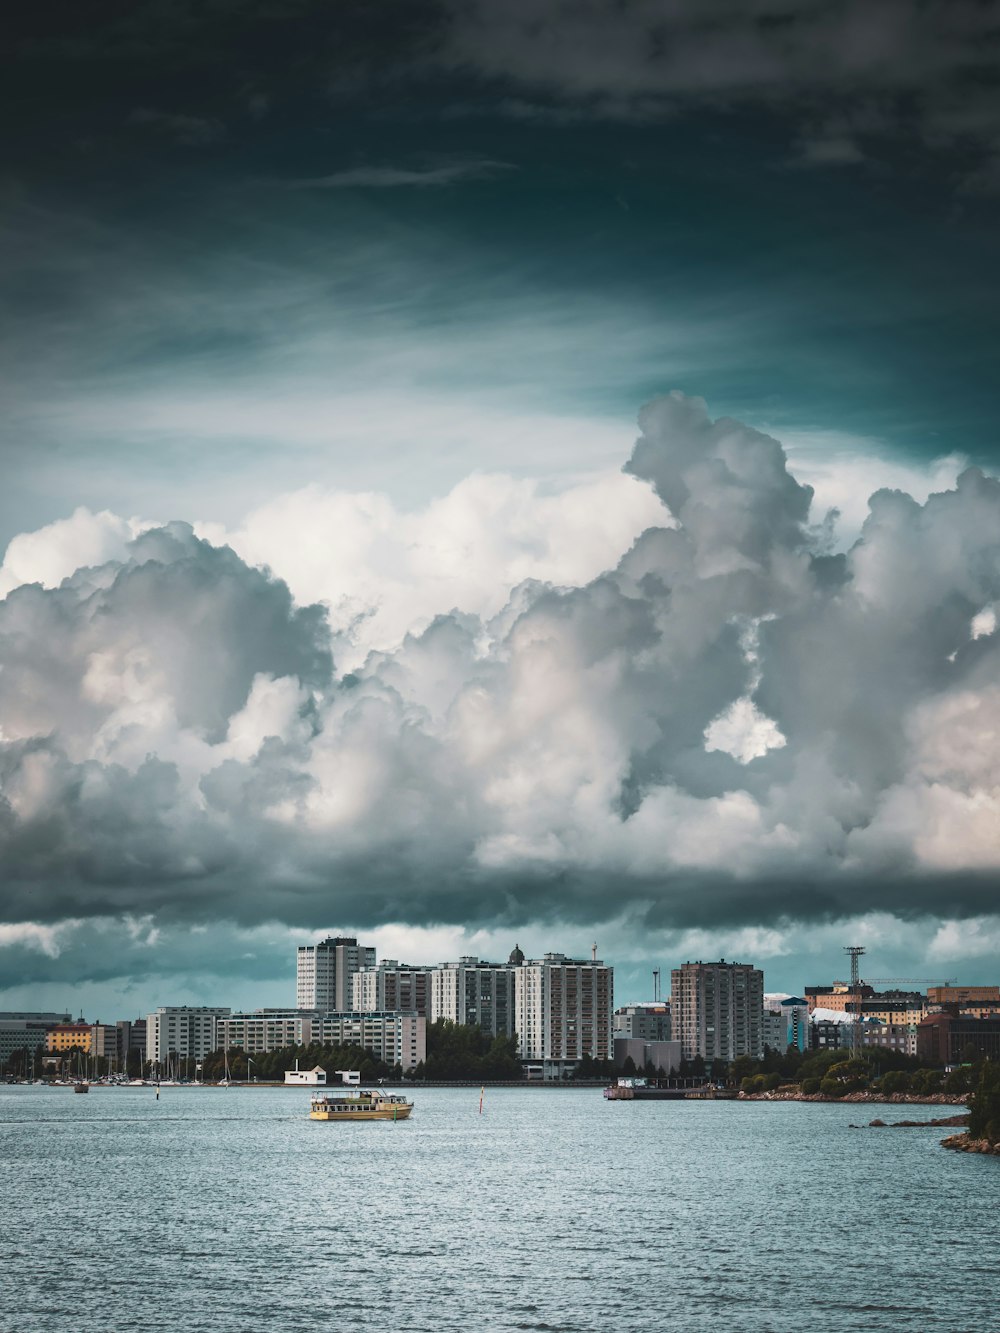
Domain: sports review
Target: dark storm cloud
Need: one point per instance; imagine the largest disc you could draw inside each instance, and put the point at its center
(923, 71)
(724, 722)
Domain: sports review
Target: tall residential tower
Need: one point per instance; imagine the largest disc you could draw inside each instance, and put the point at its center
(324, 972)
(717, 1010)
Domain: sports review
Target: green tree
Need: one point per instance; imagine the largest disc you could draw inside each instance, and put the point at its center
(984, 1104)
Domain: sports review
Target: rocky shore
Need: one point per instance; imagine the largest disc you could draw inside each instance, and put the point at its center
(962, 1143)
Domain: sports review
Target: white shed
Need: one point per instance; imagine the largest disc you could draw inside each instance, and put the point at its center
(308, 1077)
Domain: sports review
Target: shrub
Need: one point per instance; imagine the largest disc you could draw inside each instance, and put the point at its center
(831, 1087)
(810, 1086)
(895, 1081)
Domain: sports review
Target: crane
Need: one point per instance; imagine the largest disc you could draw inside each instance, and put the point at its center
(921, 981)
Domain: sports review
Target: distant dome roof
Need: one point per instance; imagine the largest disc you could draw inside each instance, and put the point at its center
(516, 956)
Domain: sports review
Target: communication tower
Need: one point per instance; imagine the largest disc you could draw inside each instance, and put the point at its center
(855, 951)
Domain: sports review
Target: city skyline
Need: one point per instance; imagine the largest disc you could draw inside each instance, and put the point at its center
(500, 473)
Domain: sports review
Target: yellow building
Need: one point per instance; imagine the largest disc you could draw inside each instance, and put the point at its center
(66, 1036)
(961, 994)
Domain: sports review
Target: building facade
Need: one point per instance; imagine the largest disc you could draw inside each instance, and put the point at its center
(718, 1010)
(69, 1037)
(962, 994)
(26, 1031)
(948, 1039)
(772, 1032)
(131, 1039)
(643, 1022)
(396, 1038)
(183, 1030)
(392, 987)
(655, 1055)
(795, 1023)
(324, 973)
(475, 993)
(562, 1012)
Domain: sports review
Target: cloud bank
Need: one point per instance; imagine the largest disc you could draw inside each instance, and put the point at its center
(724, 725)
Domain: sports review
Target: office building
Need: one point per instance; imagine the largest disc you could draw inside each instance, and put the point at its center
(182, 1030)
(717, 1010)
(391, 987)
(324, 973)
(950, 1039)
(26, 1030)
(562, 1012)
(475, 993)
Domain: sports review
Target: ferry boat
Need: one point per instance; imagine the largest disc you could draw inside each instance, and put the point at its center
(360, 1105)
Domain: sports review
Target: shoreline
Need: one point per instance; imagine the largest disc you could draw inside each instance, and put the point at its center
(851, 1098)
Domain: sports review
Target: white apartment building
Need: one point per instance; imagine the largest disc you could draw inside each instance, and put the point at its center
(562, 1012)
(392, 986)
(324, 973)
(396, 1038)
(717, 1010)
(476, 993)
(182, 1030)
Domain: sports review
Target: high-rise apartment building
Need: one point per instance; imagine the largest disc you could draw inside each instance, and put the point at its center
(391, 987)
(717, 1010)
(324, 973)
(475, 993)
(562, 1012)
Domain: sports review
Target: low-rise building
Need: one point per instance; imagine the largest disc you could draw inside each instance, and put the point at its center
(69, 1037)
(836, 996)
(657, 1055)
(948, 1039)
(829, 1035)
(297, 1077)
(26, 1030)
(961, 994)
(900, 1037)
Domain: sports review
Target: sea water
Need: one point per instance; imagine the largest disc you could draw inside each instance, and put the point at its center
(229, 1210)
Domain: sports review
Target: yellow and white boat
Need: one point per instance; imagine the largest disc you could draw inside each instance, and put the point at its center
(360, 1105)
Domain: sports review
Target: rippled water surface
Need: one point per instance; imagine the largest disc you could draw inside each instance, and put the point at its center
(231, 1210)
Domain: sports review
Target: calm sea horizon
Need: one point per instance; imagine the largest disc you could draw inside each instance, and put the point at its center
(231, 1210)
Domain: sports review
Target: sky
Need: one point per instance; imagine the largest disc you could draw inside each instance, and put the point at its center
(477, 474)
